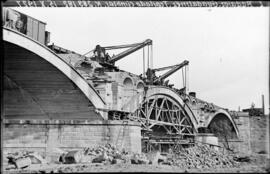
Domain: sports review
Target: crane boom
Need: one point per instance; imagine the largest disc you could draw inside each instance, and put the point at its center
(120, 46)
(164, 68)
(129, 51)
(173, 70)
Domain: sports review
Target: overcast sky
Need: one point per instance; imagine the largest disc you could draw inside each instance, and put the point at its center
(227, 48)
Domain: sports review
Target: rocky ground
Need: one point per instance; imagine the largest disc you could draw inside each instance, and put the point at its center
(89, 168)
(200, 158)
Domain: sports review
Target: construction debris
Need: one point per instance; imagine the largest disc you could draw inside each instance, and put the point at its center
(24, 159)
(203, 156)
(71, 157)
(55, 154)
(22, 162)
(139, 159)
(198, 156)
(241, 158)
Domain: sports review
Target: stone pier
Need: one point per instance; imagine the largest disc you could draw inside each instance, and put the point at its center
(46, 135)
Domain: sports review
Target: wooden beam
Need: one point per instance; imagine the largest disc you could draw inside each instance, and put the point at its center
(161, 105)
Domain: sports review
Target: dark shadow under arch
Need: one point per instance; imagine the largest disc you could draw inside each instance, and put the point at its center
(222, 126)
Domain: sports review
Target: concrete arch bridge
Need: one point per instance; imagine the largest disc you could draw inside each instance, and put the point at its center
(40, 83)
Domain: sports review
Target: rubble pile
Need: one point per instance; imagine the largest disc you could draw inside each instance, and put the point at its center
(24, 159)
(202, 156)
(199, 156)
(107, 154)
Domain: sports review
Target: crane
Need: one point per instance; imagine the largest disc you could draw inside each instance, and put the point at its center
(153, 79)
(101, 56)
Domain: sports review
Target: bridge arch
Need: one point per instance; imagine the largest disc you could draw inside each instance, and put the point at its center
(223, 116)
(27, 45)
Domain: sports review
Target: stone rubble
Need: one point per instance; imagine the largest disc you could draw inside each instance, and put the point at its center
(202, 156)
(24, 159)
(199, 156)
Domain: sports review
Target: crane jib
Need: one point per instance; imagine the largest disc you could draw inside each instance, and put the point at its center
(129, 51)
(173, 70)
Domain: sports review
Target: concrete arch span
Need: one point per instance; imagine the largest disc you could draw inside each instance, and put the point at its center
(27, 61)
(224, 117)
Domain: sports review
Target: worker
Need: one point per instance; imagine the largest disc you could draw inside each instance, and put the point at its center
(102, 52)
(97, 51)
(107, 57)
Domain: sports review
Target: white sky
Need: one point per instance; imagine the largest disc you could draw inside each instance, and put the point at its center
(228, 48)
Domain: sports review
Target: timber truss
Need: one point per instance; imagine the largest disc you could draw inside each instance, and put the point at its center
(164, 122)
(162, 111)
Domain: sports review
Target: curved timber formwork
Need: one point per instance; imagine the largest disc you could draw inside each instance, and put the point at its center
(167, 122)
(162, 110)
(138, 100)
